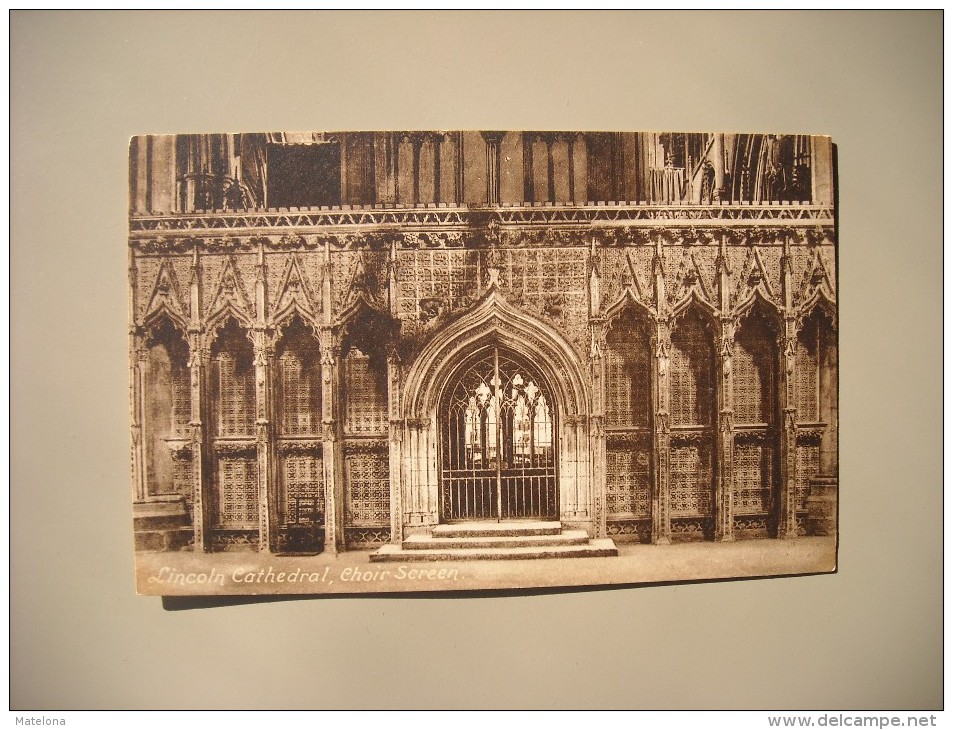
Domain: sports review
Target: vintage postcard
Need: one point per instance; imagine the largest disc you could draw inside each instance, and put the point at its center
(476, 360)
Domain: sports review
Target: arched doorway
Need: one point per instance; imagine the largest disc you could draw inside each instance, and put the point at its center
(498, 443)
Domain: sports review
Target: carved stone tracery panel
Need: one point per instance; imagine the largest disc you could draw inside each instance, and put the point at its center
(692, 372)
(365, 396)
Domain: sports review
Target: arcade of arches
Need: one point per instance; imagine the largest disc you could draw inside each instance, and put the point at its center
(324, 379)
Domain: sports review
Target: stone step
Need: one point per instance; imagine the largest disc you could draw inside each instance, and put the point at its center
(497, 529)
(431, 542)
(604, 548)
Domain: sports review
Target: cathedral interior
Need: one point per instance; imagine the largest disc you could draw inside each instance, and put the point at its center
(340, 340)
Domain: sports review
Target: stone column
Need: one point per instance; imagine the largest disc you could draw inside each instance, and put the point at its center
(724, 437)
(827, 356)
(199, 358)
(597, 432)
(384, 164)
(718, 163)
(493, 141)
(661, 521)
(396, 428)
(822, 498)
(527, 168)
(332, 447)
(822, 164)
(571, 151)
(423, 507)
(137, 389)
(395, 423)
(458, 168)
(436, 140)
(267, 499)
(787, 513)
(263, 339)
(550, 171)
(416, 142)
(136, 382)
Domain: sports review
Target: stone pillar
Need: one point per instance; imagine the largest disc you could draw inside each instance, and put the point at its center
(724, 437)
(263, 339)
(137, 389)
(436, 140)
(527, 168)
(787, 513)
(822, 497)
(576, 498)
(416, 143)
(550, 171)
(718, 163)
(571, 151)
(395, 423)
(423, 507)
(458, 168)
(661, 521)
(597, 432)
(827, 356)
(493, 141)
(267, 499)
(822, 166)
(396, 428)
(199, 358)
(385, 165)
(333, 455)
(202, 174)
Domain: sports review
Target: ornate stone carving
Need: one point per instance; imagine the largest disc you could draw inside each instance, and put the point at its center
(810, 434)
(749, 435)
(230, 297)
(618, 439)
(294, 295)
(790, 419)
(300, 447)
(226, 244)
(597, 427)
(236, 448)
(166, 244)
(695, 436)
(690, 282)
(166, 298)
(431, 308)
(814, 220)
(368, 446)
(726, 421)
(179, 449)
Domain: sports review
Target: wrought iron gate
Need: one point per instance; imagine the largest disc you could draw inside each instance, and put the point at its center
(498, 440)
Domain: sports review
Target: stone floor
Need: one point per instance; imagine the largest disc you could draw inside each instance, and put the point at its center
(242, 573)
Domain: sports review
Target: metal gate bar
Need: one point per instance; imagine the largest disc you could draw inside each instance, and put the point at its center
(498, 458)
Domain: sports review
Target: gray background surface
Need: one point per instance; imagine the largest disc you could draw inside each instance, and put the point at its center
(82, 83)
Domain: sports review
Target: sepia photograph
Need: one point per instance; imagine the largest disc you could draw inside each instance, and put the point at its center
(466, 360)
(477, 360)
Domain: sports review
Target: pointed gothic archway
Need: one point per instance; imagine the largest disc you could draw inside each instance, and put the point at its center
(497, 427)
(435, 398)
